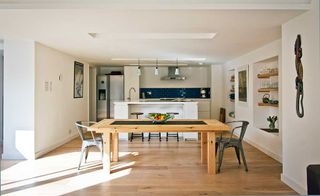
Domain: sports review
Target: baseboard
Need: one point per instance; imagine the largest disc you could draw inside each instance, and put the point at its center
(54, 146)
(293, 184)
(264, 150)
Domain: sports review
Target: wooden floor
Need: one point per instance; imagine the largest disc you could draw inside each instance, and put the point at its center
(155, 168)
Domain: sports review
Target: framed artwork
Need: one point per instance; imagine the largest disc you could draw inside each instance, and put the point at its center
(243, 83)
(78, 80)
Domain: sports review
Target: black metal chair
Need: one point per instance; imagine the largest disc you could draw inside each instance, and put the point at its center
(236, 143)
(133, 135)
(173, 134)
(88, 140)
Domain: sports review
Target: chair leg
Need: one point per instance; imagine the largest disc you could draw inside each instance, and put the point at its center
(243, 158)
(167, 137)
(87, 152)
(149, 137)
(177, 136)
(217, 147)
(81, 156)
(238, 154)
(131, 137)
(142, 136)
(221, 151)
(160, 136)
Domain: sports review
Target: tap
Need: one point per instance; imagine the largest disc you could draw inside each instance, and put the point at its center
(134, 90)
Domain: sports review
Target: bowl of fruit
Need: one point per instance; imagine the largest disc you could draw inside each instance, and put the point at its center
(159, 118)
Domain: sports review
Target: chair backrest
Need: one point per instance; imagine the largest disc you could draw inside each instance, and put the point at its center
(82, 127)
(222, 116)
(243, 130)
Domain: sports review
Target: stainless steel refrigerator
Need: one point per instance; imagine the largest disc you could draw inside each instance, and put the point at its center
(109, 90)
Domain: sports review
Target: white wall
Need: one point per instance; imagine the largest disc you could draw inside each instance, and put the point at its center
(301, 135)
(92, 93)
(19, 94)
(131, 79)
(266, 142)
(56, 109)
(197, 77)
(217, 90)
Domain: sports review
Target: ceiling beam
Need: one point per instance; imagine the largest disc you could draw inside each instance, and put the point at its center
(159, 5)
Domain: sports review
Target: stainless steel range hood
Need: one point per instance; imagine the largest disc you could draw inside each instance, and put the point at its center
(171, 75)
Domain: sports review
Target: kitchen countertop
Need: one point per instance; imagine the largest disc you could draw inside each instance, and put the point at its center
(140, 102)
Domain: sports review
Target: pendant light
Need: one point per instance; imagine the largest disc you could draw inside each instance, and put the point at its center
(156, 70)
(139, 70)
(177, 72)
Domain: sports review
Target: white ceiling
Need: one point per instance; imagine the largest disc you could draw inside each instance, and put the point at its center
(65, 28)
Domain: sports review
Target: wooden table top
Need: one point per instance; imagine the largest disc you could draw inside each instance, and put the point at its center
(211, 125)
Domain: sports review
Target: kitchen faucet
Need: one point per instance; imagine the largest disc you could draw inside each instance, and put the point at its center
(134, 90)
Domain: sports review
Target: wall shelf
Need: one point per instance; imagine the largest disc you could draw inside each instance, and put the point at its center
(266, 90)
(268, 104)
(268, 75)
(270, 130)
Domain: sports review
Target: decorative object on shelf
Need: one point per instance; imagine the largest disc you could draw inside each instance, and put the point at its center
(232, 114)
(299, 78)
(272, 121)
(271, 101)
(266, 98)
(78, 80)
(267, 101)
(203, 93)
(159, 118)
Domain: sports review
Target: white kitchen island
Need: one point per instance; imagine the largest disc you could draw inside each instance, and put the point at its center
(186, 110)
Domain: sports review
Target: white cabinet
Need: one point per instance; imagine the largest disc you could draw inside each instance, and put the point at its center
(204, 108)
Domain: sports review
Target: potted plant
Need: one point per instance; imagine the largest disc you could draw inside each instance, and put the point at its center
(272, 121)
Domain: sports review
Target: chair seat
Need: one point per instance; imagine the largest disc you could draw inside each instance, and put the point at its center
(88, 135)
(136, 113)
(225, 141)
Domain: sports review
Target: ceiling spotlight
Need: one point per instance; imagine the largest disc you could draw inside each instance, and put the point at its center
(139, 69)
(177, 72)
(156, 70)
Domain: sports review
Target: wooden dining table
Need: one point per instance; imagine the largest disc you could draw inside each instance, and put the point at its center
(110, 129)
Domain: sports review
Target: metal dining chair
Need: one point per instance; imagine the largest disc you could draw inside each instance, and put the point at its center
(236, 143)
(89, 139)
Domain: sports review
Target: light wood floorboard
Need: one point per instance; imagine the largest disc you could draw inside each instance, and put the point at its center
(155, 168)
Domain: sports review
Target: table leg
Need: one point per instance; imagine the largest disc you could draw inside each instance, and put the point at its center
(115, 147)
(106, 152)
(211, 137)
(204, 148)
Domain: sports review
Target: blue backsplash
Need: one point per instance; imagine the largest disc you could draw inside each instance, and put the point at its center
(173, 92)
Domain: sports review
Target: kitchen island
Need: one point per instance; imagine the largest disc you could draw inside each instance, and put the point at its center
(186, 110)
